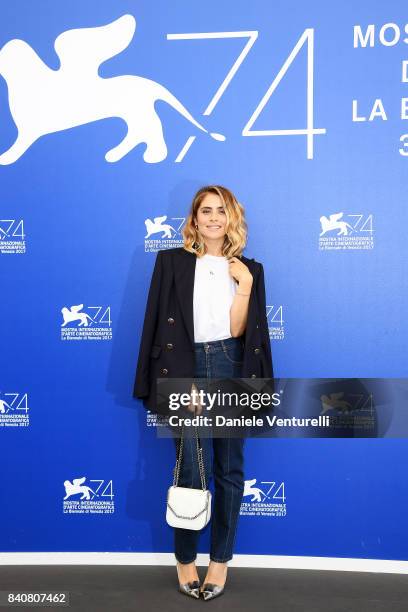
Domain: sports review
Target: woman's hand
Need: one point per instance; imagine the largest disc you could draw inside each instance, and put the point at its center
(196, 408)
(240, 272)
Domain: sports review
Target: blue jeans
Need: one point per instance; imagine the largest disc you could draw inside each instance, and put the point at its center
(223, 458)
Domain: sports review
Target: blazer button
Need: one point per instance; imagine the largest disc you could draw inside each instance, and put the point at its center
(257, 350)
(164, 371)
(170, 320)
(169, 346)
(253, 375)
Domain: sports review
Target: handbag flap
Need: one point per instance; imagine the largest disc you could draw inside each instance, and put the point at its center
(187, 502)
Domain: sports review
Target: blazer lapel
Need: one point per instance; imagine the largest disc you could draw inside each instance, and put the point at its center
(184, 273)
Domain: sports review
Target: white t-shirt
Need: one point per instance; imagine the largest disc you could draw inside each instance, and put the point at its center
(214, 291)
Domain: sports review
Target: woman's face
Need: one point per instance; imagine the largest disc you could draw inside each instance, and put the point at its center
(211, 217)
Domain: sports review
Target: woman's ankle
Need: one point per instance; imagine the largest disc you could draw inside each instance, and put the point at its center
(218, 563)
(217, 572)
(186, 571)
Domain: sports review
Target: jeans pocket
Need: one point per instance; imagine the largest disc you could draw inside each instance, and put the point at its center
(234, 353)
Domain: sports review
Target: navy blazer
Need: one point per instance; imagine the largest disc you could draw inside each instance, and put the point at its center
(167, 342)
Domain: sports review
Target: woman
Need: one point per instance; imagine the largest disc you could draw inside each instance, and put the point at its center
(206, 318)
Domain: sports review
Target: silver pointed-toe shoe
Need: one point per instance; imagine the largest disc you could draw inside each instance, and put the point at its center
(191, 588)
(211, 590)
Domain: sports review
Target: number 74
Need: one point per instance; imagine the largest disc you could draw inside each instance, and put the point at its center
(309, 131)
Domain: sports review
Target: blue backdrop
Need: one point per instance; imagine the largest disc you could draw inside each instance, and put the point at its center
(311, 101)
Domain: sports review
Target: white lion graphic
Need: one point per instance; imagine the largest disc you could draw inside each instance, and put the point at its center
(249, 489)
(4, 407)
(335, 401)
(157, 225)
(73, 314)
(43, 100)
(77, 486)
(333, 222)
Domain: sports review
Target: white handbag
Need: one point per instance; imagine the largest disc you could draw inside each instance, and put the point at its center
(186, 507)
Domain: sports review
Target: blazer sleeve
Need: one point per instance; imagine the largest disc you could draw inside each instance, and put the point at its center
(142, 379)
(263, 321)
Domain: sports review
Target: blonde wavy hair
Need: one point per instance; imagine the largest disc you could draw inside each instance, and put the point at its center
(236, 227)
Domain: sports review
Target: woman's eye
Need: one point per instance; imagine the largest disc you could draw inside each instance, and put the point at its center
(205, 212)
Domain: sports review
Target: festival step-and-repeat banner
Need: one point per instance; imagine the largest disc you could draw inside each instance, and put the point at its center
(112, 115)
